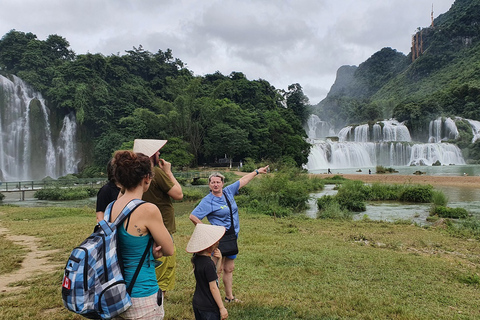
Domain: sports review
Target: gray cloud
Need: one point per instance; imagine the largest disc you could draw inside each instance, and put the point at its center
(281, 41)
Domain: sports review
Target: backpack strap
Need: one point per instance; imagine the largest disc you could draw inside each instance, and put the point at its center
(140, 264)
(126, 212)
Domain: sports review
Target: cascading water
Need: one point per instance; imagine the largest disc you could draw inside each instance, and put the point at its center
(386, 143)
(30, 149)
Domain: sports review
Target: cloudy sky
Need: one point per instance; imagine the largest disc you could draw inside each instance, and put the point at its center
(281, 41)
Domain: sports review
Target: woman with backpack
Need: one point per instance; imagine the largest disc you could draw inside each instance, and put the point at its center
(134, 172)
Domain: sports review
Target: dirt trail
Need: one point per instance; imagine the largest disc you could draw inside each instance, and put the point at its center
(35, 261)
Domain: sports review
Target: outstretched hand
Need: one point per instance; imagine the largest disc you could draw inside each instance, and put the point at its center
(263, 170)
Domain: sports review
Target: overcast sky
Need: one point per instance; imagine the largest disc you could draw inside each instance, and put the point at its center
(281, 41)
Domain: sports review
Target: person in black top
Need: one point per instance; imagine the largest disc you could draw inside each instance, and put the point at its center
(207, 302)
(108, 193)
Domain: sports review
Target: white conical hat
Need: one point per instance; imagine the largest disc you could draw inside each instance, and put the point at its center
(204, 236)
(148, 146)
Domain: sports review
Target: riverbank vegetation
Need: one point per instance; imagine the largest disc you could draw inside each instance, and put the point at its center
(288, 268)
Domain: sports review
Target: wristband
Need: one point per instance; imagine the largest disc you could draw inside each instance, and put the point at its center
(256, 170)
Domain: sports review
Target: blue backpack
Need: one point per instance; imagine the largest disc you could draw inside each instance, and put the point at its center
(93, 284)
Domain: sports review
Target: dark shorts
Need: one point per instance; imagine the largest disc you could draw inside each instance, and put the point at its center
(206, 315)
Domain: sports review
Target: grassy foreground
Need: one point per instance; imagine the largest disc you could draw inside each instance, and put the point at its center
(288, 268)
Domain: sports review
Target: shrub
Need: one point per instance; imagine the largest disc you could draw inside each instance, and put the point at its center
(281, 193)
(200, 182)
(332, 210)
(194, 194)
(352, 195)
(324, 201)
(417, 193)
(63, 193)
(446, 212)
(380, 191)
(439, 198)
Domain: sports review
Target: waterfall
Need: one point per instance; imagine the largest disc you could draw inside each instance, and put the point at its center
(31, 148)
(442, 130)
(386, 143)
(475, 129)
(316, 128)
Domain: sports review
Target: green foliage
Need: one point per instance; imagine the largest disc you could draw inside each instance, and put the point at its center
(200, 182)
(280, 194)
(465, 228)
(352, 196)
(249, 165)
(140, 94)
(194, 194)
(446, 212)
(65, 193)
(439, 198)
(417, 193)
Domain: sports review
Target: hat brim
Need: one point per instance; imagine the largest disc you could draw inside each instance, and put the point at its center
(148, 146)
(204, 236)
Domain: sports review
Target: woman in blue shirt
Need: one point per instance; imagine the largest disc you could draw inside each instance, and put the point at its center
(215, 208)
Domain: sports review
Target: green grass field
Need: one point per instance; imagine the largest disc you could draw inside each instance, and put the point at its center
(288, 268)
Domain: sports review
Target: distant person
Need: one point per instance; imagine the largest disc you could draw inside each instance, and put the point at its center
(328, 171)
(107, 193)
(134, 172)
(163, 189)
(215, 207)
(369, 171)
(207, 302)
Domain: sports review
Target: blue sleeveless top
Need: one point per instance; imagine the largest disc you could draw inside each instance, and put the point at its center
(132, 249)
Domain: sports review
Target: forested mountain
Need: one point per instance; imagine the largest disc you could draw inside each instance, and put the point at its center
(140, 94)
(440, 77)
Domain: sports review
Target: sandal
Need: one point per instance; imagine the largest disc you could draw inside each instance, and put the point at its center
(233, 300)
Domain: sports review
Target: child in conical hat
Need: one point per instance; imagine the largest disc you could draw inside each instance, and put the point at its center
(207, 301)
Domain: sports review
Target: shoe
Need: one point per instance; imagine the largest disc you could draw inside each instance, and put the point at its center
(233, 300)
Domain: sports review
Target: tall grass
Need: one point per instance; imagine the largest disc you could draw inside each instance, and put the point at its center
(287, 268)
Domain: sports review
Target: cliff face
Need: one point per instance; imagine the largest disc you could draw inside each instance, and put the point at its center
(443, 74)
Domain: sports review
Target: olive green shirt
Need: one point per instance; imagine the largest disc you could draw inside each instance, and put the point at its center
(157, 194)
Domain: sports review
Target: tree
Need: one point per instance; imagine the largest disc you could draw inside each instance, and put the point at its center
(298, 102)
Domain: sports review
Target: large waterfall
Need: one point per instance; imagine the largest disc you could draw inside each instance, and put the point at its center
(32, 145)
(386, 143)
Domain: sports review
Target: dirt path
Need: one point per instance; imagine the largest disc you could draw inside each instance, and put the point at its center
(35, 261)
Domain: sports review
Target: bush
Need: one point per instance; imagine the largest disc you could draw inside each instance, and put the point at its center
(417, 193)
(332, 210)
(194, 194)
(352, 195)
(200, 182)
(446, 212)
(439, 198)
(64, 193)
(281, 193)
(380, 191)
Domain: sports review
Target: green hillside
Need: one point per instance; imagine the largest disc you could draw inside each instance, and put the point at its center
(442, 79)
